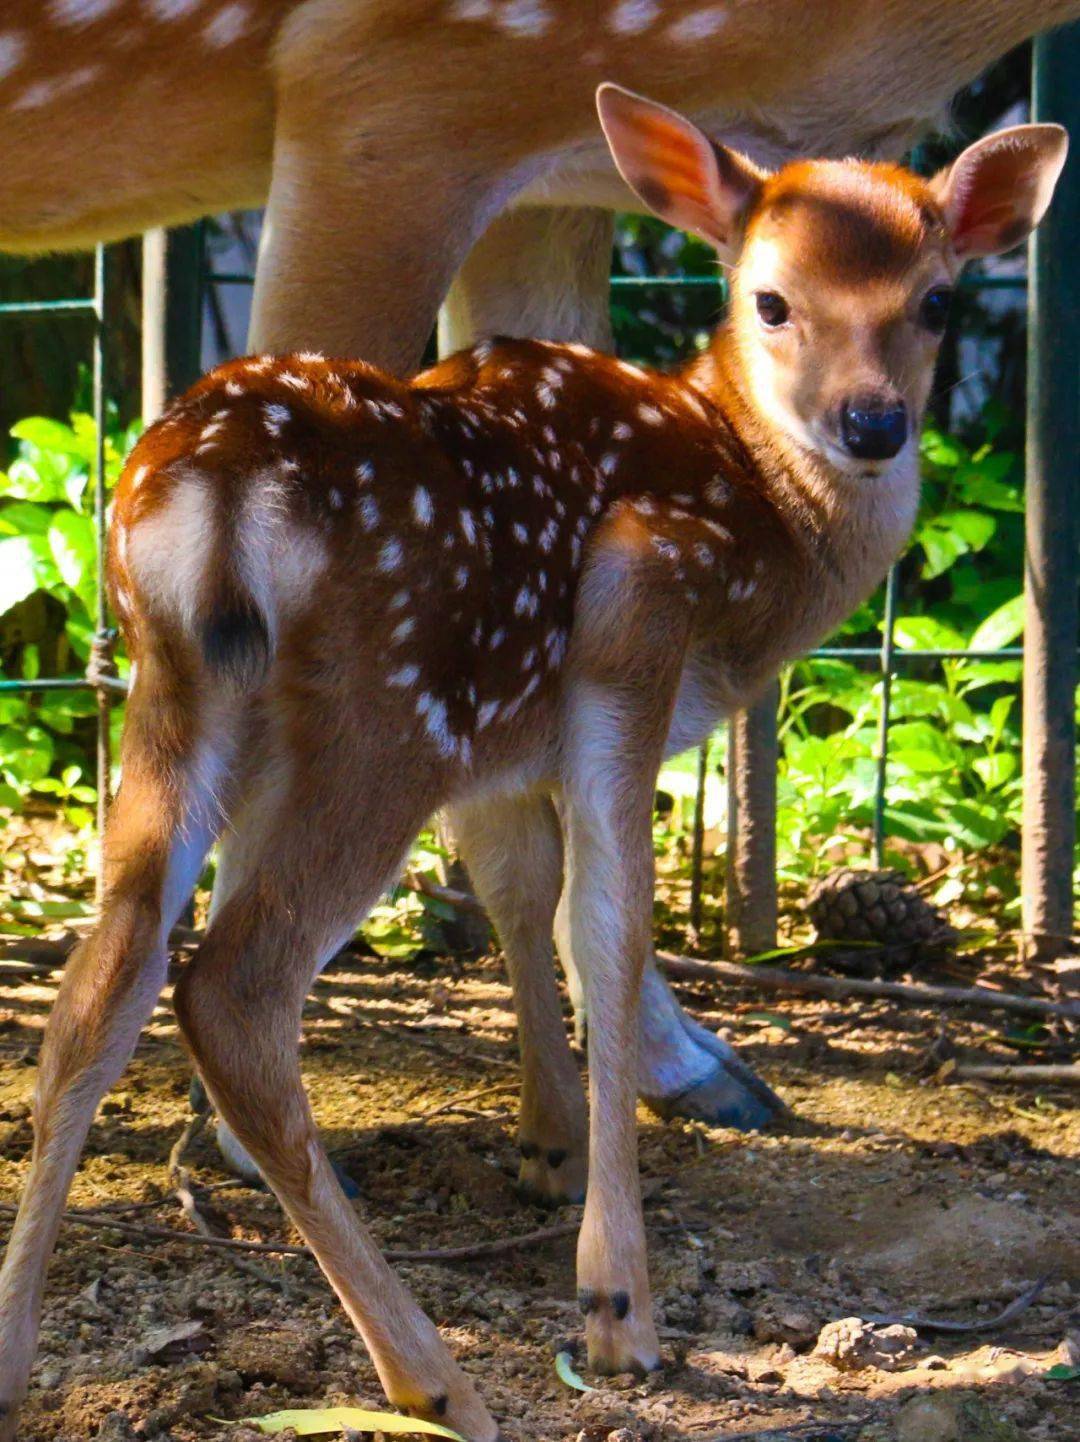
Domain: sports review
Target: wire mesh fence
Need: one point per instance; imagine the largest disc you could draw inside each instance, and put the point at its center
(193, 277)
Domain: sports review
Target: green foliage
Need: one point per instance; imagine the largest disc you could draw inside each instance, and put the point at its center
(48, 560)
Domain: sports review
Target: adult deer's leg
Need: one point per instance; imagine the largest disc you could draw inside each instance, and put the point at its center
(513, 849)
(164, 818)
(374, 202)
(536, 271)
(310, 874)
(543, 270)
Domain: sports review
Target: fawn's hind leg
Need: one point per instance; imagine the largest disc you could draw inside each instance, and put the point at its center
(513, 849)
(159, 829)
(310, 873)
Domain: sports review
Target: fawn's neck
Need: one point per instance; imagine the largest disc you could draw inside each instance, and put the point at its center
(848, 529)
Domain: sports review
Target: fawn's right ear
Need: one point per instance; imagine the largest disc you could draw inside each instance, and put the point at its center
(677, 171)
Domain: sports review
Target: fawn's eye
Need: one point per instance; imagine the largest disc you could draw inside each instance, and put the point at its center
(934, 311)
(772, 308)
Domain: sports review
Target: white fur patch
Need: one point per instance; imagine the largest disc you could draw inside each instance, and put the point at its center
(698, 25)
(80, 12)
(226, 27)
(168, 10)
(12, 51)
(631, 17)
(523, 17)
(167, 552)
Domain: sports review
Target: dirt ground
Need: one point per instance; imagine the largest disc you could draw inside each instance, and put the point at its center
(888, 1192)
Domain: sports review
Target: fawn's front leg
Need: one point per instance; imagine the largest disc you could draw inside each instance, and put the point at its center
(628, 651)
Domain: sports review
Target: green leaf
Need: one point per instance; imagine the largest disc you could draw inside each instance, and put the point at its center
(1062, 1372)
(924, 633)
(312, 1422)
(564, 1370)
(1001, 627)
(73, 544)
(18, 571)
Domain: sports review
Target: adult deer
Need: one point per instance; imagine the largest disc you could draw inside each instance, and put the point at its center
(526, 573)
(400, 142)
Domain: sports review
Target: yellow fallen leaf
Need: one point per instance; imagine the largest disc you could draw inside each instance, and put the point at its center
(566, 1373)
(310, 1422)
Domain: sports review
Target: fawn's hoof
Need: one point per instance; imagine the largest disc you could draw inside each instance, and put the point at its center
(550, 1177)
(619, 1334)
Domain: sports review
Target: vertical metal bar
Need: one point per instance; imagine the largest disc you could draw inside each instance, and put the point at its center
(101, 618)
(697, 855)
(753, 752)
(1053, 497)
(891, 590)
(171, 314)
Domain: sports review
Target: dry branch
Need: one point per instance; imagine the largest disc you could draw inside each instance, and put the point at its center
(101, 1221)
(778, 978)
(945, 1324)
(979, 1071)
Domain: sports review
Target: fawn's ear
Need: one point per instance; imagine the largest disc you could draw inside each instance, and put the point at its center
(995, 193)
(678, 172)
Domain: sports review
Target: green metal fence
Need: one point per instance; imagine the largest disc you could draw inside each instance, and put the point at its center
(176, 275)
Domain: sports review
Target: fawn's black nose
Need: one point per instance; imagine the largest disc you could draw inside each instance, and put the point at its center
(872, 428)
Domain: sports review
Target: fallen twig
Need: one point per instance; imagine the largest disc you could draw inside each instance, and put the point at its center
(944, 1324)
(778, 978)
(979, 1071)
(103, 1221)
(472, 1096)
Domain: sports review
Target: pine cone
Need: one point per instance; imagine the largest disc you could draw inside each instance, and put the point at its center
(881, 906)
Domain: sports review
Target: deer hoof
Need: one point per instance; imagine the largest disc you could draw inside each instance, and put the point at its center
(729, 1094)
(620, 1336)
(550, 1177)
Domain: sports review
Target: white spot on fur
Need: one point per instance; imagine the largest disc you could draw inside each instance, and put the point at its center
(497, 637)
(422, 507)
(233, 388)
(651, 415)
(171, 9)
(404, 676)
(632, 17)
(337, 500)
(398, 600)
(44, 92)
(698, 25)
(12, 50)
(137, 477)
(486, 714)
(435, 719)
(369, 513)
(524, 17)
(390, 555)
(403, 630)
(365, 472)
(468, 526)
(740, 590)
(227, 26)
(520, 534)
(609, 464)
(81, 12)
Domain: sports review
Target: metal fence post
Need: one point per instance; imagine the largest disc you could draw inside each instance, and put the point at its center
(171, 315)
(753, 754)
(1053, 495)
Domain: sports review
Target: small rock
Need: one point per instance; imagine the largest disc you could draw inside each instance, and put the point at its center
(789, 1325)
(851, 1344)
(952, 1417)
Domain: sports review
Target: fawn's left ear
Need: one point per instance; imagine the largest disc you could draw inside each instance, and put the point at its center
(677, 171)
(996, 192)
